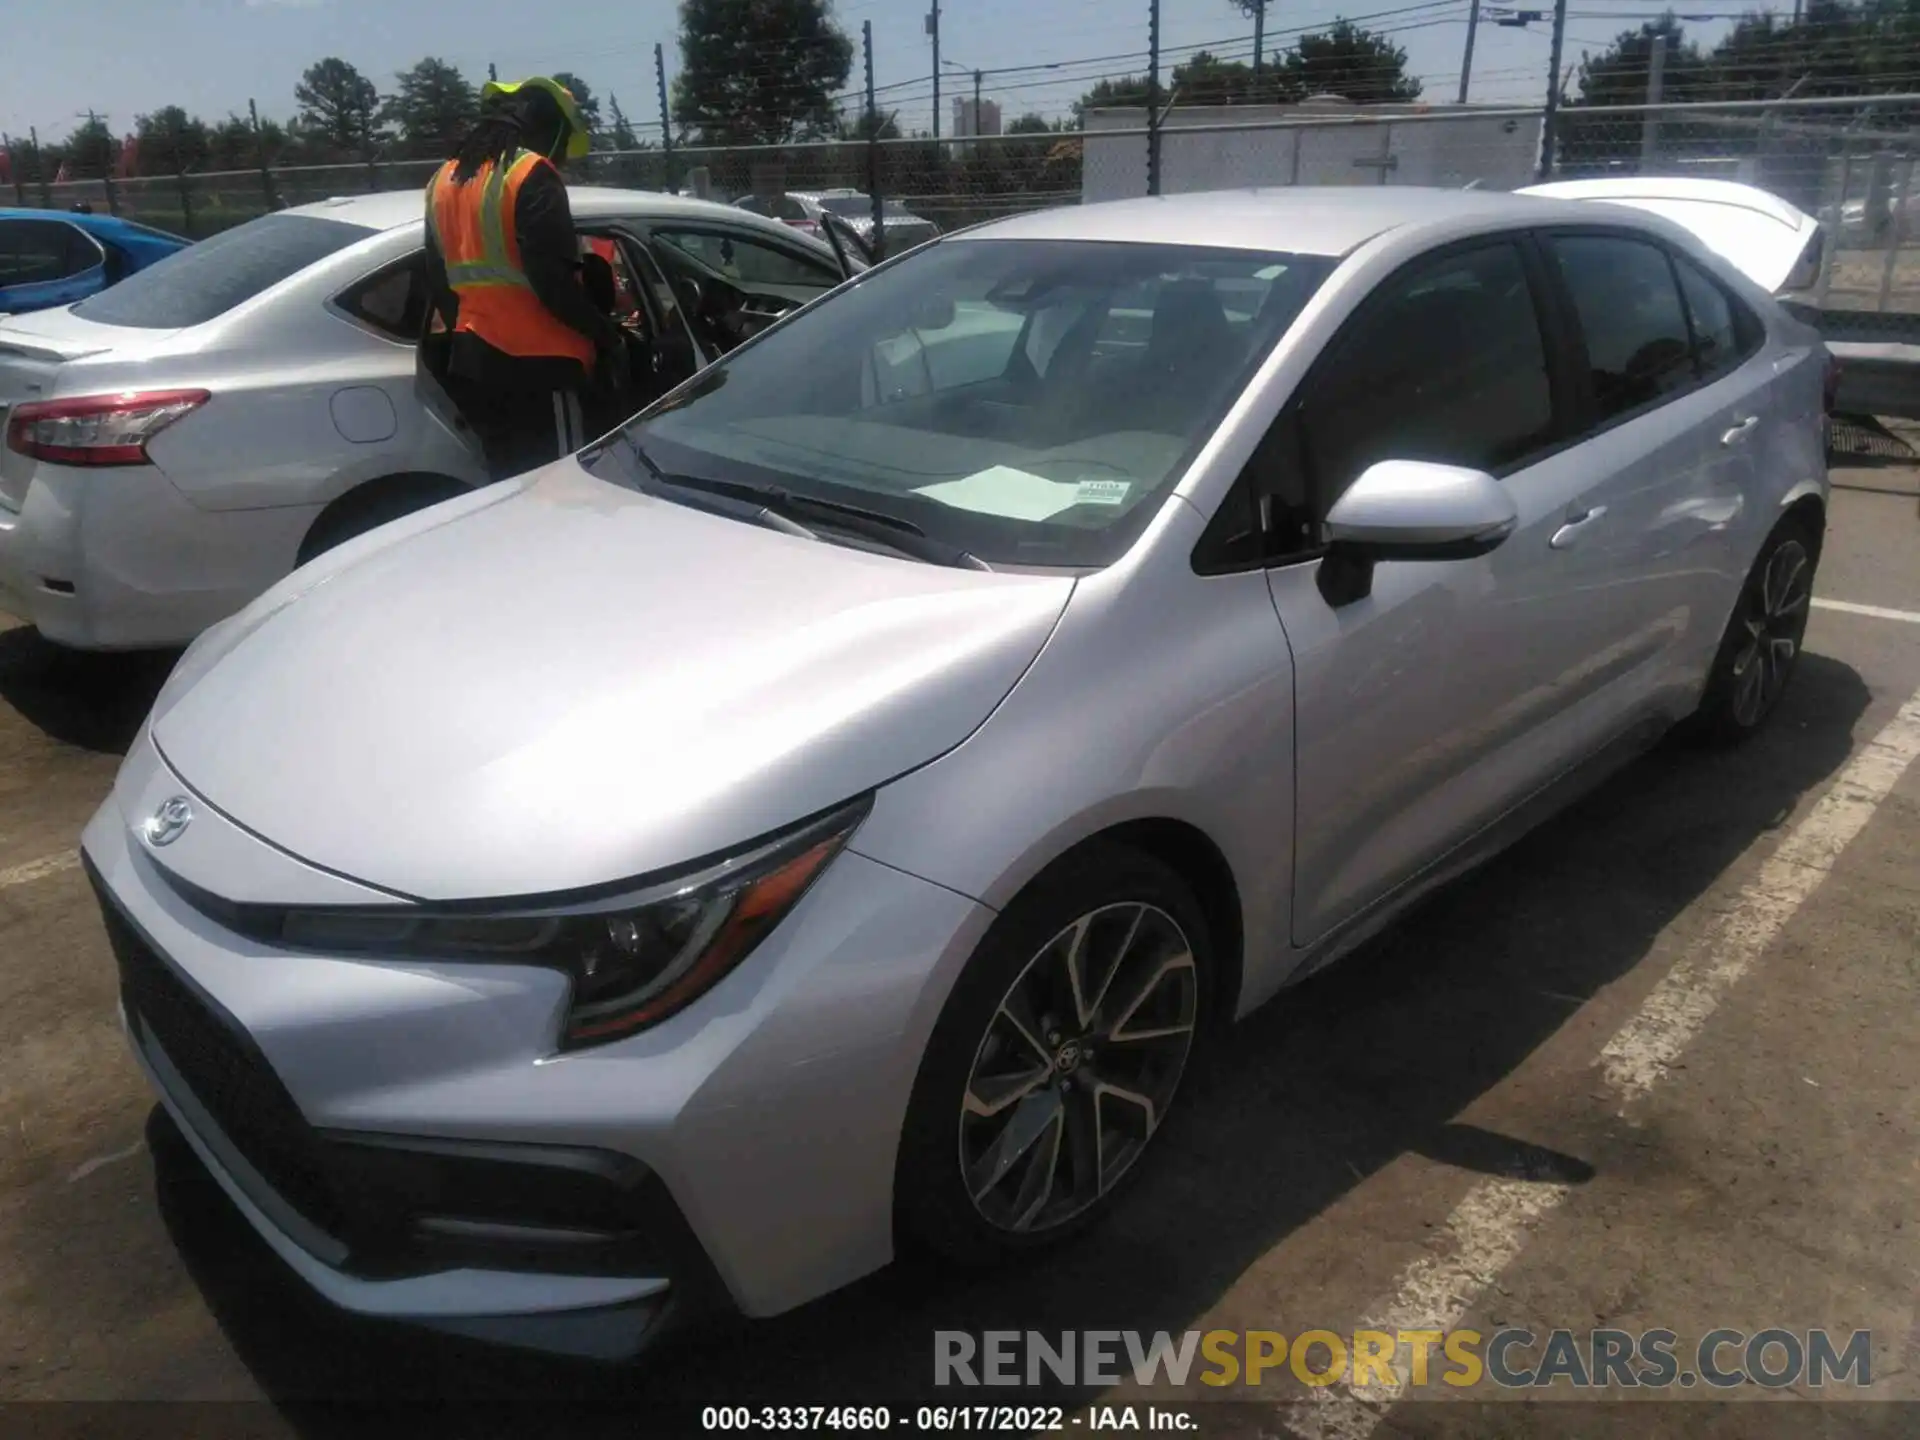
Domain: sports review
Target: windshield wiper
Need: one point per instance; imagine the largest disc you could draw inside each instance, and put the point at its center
(745, 506)
(789, 511)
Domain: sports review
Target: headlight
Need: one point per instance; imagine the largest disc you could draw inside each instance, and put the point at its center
(634, 957)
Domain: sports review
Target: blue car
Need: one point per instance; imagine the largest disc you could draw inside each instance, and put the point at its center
(55, 257)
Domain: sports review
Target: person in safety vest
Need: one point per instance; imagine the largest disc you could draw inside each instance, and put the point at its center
(524, 340)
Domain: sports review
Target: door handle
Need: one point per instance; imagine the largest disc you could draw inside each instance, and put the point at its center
(1738, 433)
(1577, 521)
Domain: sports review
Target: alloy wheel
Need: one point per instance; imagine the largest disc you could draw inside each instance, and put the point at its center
(1772, 625)
(1078, 1067)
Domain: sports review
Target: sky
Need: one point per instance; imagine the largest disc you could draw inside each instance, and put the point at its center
(126, 57)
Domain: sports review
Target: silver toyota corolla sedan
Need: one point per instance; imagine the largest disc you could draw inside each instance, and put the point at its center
(176, 444)
(832, 812)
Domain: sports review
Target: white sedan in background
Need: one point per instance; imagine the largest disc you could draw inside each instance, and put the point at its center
(176, 444)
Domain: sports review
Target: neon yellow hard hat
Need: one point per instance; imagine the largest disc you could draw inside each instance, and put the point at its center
(579, 140)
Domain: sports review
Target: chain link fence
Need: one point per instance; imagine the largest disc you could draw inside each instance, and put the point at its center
(1849, 162)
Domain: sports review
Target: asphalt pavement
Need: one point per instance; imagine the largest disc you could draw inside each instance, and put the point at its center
(1653, 1068)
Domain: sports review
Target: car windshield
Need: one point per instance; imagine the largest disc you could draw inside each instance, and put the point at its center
(205, 280)
(1024, 400)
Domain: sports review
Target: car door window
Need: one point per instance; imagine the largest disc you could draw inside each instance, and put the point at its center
(1725, 332)
(1446, 363)
(1638, 350)
(392, 301)
(33, 252)
(788, 208)
(743, 260)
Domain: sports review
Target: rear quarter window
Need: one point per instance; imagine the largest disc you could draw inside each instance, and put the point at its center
(204, 281)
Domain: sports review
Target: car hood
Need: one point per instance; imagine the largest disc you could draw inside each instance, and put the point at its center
(578, 684)
(1760, 235)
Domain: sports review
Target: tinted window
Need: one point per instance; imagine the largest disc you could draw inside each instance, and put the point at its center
(1630, 315)
(1724, 333)
(1446, 364)
(203, 281)
(750, 262)
(35, 251)
(394, 301)
(1030, 401)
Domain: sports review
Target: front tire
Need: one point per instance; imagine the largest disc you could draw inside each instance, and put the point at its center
(1056, 1060)
(1761, 646)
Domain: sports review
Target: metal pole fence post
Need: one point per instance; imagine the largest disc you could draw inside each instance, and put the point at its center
(186, 203)
(933, 29)
(260, 154)
(40, 169)
(873, 147)
(15, 169)
(1547, 126)
(1466, 60)
(1153, 97)
(1650, 122)
(666, 119)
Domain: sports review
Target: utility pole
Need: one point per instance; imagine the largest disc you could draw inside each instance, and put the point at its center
(933, 29)
(977, 131)
(1260, 40)
(666, 120)
(492, 72)
(1650, 121)
(873, 147)
(40, 169)
(1153, 97)
(1466, 60)
(1553, 89)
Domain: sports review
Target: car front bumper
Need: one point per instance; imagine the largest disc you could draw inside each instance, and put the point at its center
(744, 1149)
(118, 559)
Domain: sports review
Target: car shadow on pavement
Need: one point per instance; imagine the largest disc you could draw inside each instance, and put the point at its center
(1371, 1061)
(93, 700)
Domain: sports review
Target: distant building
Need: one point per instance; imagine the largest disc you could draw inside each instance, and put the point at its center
(966, 123)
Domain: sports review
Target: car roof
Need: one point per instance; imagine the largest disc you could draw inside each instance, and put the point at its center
(1330, 220)
(390, 209)
(97, 224)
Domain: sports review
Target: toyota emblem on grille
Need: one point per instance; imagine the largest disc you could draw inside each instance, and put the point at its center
(170, 821)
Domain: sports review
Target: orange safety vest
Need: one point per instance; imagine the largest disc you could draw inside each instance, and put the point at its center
(473, 226)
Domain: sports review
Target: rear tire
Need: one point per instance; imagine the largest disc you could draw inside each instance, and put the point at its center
(1761, 646)
(1056, 1060)
(371, 506)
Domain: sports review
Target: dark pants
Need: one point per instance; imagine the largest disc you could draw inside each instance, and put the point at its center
(523, 429)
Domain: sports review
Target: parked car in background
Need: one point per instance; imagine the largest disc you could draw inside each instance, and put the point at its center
(179, 442)
(55, 257)
(807, 211)
(835, 810)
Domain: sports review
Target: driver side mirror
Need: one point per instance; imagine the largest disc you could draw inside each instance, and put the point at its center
(1411, 510)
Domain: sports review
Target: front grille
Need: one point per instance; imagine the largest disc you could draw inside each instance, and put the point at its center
(227, 1075)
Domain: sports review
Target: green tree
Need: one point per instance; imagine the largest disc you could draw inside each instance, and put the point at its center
(1349, 61)
(91, 150)
(432, 108)
(234, 146)
(1029, 124)
(339, 107)
(759, 71)
(171, 142)
(583, 96)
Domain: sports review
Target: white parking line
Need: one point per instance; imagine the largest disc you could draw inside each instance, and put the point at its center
(39, 869)
(1490, 1227)
(1876, 612)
